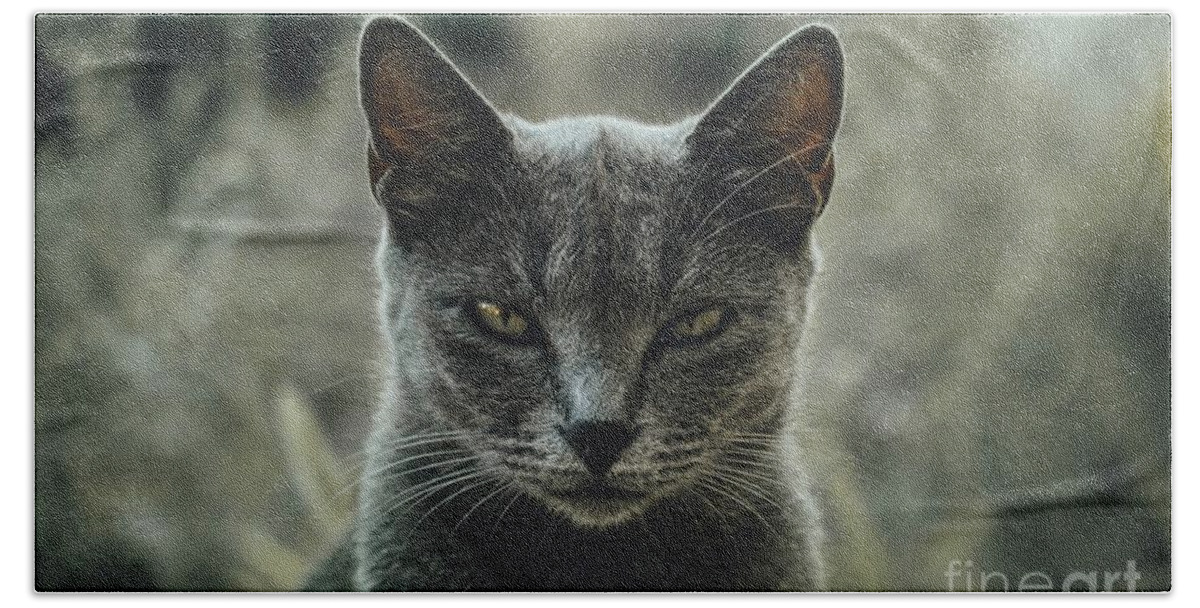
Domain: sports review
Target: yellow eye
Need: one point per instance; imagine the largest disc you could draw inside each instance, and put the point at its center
(701, 325)
(501, 320)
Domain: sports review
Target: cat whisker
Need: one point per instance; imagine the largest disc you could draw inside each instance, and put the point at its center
(487, 480)
(393, 465)
(406, 447)
(436, 464)
(360, 471)
(711, 505)
(423, 484)
(747, 503)
(751, 434)
(752, 440)
(742, 461)
(419, 487)
(758, 450)
(503, 487)
(406, 441)
(748, 458)
(755, 441)
(731, 476)
(413, 498)
(708, 482)
(379, 471)
(763, 439)
(751, 449)
(759, 444)
(749, 475)
(513, 500)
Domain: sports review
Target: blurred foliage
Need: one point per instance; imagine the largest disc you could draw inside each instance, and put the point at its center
(988, 361)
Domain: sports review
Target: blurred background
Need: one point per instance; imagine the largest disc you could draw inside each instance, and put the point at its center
(987, 368)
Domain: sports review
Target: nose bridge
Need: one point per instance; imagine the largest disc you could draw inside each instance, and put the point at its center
(596, 374)
(594, 391)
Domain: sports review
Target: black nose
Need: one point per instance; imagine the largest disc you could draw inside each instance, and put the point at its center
(598, 444)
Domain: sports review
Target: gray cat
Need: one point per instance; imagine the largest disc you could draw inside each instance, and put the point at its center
(592, 327)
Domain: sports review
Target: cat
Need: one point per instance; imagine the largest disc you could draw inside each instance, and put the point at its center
(592, 326)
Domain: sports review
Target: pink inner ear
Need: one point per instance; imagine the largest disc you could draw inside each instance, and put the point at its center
(406, 120)
(807, 113)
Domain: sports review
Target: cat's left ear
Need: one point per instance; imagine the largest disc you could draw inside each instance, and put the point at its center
(774, 127)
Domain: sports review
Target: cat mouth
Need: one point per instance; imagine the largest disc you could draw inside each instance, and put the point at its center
(599, 492)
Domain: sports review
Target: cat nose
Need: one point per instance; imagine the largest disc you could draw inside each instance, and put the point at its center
(599, 443)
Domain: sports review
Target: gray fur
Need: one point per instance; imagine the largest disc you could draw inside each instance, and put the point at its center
(602, 232)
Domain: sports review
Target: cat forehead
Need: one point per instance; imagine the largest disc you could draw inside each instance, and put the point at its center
(604, 185)
(585, 173)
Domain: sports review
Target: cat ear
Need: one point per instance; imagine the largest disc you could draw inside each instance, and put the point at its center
(774, 126)
(426, 120)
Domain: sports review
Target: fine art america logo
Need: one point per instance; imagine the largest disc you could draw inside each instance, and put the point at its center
(964, 576)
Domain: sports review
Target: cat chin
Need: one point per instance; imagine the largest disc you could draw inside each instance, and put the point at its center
(597, 513)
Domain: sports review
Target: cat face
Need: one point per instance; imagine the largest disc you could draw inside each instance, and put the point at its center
(606, 310)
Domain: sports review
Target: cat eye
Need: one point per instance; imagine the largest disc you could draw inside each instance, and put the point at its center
(697, 327)
(501, 321)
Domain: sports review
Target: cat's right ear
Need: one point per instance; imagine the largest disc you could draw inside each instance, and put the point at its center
(431, 131)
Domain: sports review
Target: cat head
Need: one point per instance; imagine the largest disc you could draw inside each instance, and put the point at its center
(603, 313)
